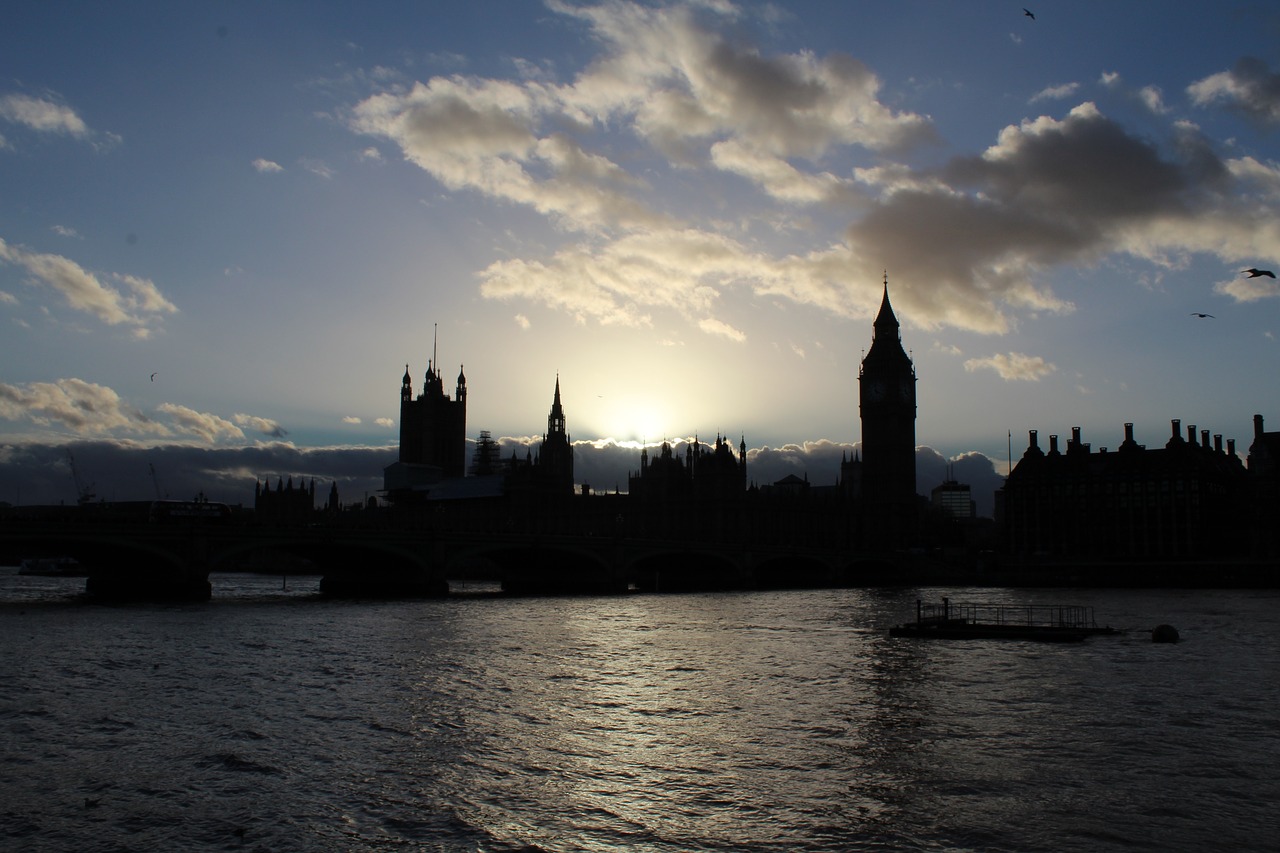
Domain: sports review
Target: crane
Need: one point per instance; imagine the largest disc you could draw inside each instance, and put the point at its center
(84, 493)
(155, 481)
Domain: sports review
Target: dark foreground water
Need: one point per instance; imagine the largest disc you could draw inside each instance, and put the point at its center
(272, 720)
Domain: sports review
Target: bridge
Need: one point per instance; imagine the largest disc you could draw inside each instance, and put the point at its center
(173, 561)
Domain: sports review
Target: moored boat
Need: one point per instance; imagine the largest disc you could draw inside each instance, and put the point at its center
(1055, 623)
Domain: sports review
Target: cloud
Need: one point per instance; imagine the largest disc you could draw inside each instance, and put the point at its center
(64, 231)
(266, 426)
(42, 115)
(83, 407)
(523, 322)
(384, 422)
(1012, 366)
(1055, 93)
(667, 90)
(1248, 289)
(712, 326)
(316, 167)
(140, 304)
(1250, 87)
(203, 425)
(267, 166)
(1153, 98)
(351, 419)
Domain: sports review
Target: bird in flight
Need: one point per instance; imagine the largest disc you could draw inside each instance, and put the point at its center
(1254, 273)
(1202, 316)
(153, 377)
(1027, 12)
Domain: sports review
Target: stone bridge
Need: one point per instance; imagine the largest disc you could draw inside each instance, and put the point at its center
(174, 560)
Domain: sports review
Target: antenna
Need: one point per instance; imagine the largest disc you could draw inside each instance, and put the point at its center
(435, 335)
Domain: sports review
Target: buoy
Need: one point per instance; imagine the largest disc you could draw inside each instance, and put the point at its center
(1164, 634)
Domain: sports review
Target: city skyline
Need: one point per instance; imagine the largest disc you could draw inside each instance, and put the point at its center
(226, 230)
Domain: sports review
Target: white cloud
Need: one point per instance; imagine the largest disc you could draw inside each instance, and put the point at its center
(1250, 87)
(1055, 93)
(316, 167)
(523, 322)
(42, 115)
(712, 326)
(203, 425)
(266, 426)
(351, 419)
(1012, 366)
(1153, 98)
(267, 166)
(139, 305)
(64, 231)
(385, 422)
(83, 407)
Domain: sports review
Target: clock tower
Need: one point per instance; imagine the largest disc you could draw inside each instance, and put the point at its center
(887, 405)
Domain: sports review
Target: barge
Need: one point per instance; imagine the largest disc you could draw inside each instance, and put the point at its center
(1054, 623)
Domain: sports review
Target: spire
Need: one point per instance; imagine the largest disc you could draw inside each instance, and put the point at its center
(886, 320)
(555, 420)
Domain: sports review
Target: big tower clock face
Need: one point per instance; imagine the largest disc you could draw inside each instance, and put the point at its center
(905, 388)
(875, 390)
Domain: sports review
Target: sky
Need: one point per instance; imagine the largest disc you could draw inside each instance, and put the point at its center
(226, 229)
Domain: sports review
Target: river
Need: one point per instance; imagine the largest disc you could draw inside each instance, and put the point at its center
(271, 719)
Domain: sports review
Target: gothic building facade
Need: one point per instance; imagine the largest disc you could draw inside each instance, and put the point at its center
(549, 473)
(884, 481)
(433, 435)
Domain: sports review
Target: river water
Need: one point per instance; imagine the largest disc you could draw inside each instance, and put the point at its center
(270, 719)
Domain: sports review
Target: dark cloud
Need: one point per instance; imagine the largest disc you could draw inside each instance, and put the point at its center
(120, 471)
(1250, 88)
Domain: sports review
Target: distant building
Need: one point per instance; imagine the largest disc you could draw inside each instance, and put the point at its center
(885, 480)
(1183, 501)
(1264, 491)
(433, 436)
(549, 473)
(953, 499)
(285, 505)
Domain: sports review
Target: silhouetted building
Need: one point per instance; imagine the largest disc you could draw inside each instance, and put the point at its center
(285, 505)
(953, 499)
(487, 457)
(549, 473)
(699, 493)
(887, 404)
(1183, 501)
(433, 435)
(1264, 491)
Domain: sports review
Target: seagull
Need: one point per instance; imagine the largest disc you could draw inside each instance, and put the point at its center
(1027, 12)
(153, 376)
(1202, 316)
(1254, 273)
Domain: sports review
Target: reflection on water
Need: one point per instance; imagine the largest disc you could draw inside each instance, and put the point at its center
(277, 720)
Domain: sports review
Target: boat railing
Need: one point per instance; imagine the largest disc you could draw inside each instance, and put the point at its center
(1030, 615)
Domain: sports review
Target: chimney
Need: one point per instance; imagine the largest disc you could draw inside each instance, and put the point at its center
(1128, 432)
(1257, 427)
(1191, 435)
(1177, 425)
(1053, 444)
(1075, 436)
(1204, 439)
(1032, 442)
(1231, 447)
(1217, 443)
